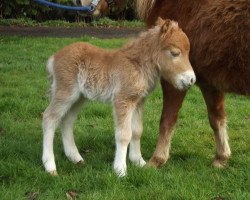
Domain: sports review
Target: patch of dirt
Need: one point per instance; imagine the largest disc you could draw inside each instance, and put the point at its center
(99, 32)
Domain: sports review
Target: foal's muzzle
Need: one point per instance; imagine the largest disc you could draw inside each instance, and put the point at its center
(185, 80)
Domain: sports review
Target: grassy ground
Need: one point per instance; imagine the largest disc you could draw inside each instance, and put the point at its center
(187, 175)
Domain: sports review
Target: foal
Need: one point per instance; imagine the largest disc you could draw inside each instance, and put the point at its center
(122, 77)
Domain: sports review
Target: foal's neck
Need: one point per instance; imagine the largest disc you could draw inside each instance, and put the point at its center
(143, 51)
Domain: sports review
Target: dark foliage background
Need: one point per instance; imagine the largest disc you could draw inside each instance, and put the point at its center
(35, 11)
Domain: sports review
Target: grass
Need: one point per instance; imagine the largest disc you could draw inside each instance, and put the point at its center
(102, 22)
(187, 175)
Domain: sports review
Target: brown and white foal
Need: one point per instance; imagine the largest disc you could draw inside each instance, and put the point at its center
(122, 77)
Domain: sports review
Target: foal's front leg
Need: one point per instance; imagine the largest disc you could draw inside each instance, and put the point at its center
(123, 111)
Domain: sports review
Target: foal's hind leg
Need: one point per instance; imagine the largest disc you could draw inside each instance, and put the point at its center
(52, 116)
(135, 146)
(67, 123)
(217, 118)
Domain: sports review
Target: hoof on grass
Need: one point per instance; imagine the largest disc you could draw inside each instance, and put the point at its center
(53, 173)
(80, 163)
(221, 164)
(156, 162)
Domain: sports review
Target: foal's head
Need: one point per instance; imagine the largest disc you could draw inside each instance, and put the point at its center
(173, 58)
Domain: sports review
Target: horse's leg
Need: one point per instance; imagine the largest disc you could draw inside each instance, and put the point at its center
(172, 101)
(67, 123)
(137, 128)
(217, 118)
(123, 112)
(60, 104)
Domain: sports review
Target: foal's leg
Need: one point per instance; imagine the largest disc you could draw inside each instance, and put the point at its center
(217, 118)
(172, 101)
(67, 123)
(52, 116)
(123, 112)
(137, 128)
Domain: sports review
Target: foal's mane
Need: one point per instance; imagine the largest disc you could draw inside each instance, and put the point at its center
(145, 44)
(149, 42)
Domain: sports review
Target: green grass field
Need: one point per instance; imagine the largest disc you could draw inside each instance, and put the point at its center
(187, 175)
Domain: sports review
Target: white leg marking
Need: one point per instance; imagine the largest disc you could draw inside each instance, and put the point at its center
(120, 166)
(49, 126)
(223, 151)
(222, 146)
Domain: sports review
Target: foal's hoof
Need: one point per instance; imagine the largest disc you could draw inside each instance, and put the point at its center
(53, 173)
(80, 163)
(221, 164)
(156, 162)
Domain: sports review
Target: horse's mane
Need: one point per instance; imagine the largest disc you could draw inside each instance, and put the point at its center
(143, 7)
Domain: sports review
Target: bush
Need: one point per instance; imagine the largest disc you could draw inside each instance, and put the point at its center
(30, 9)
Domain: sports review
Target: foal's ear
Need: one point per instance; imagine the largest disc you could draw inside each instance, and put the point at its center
(159, 21)
(169, 26)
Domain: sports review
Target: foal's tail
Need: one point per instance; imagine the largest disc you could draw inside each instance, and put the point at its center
(143, 8)
(50, 69)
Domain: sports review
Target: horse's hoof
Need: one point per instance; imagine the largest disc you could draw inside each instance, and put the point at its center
(150, 165)
(53, 173)
(80, 163)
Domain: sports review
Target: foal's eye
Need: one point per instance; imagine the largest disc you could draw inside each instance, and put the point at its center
(175, 53)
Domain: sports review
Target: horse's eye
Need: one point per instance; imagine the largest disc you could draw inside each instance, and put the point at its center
(175, 53)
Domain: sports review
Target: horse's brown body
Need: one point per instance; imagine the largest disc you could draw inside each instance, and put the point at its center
(219, 36)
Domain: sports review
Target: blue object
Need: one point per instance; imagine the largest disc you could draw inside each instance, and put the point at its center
(73, 8)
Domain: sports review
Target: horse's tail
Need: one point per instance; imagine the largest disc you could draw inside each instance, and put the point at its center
(143, 8)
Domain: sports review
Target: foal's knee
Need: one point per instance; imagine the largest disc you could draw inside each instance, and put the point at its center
(123, 137)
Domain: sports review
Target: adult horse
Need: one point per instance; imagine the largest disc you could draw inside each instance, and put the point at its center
(219, 36)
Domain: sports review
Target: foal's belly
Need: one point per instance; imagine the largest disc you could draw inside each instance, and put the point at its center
(94, 88)
(99, 94)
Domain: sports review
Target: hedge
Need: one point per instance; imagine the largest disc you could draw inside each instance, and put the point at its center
(38, 12)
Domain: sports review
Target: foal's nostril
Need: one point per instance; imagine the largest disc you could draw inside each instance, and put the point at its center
(192, 81)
